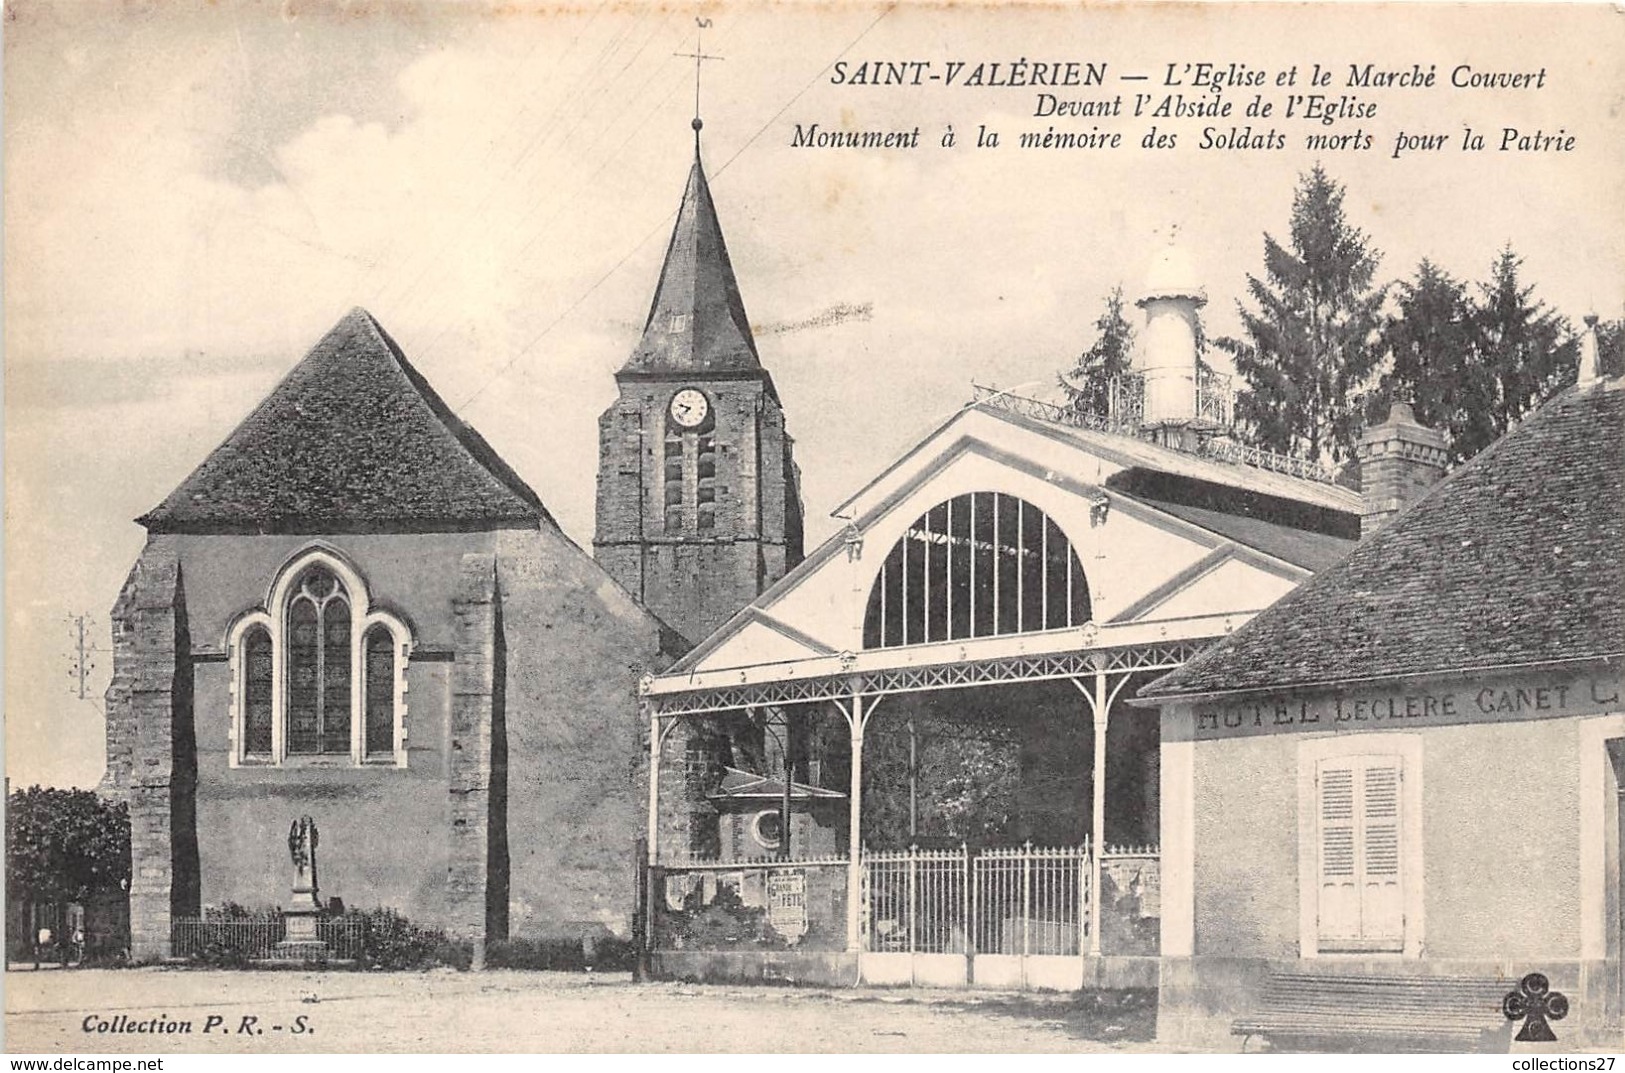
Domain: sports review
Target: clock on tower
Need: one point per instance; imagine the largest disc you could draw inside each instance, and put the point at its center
(699, 499)
(690, 408)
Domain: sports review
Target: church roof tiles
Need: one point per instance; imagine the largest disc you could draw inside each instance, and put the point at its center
(1518, 557)
(697, 324)
(352, 439)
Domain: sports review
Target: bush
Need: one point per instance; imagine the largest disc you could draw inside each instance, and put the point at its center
(64, 845)
(390, 941)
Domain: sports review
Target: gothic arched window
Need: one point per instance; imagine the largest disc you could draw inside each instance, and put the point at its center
(978, 565)
(319, 665)
(380, 691)
(257, 672)
(317, 672)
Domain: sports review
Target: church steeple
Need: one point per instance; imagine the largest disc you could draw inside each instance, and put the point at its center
(697, 323)
(699, 497)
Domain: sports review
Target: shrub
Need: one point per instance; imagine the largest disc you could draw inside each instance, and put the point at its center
(390, 941)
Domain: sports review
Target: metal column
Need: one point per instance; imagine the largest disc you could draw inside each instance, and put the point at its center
(854, 865)
(653, 835)
(1102, 708)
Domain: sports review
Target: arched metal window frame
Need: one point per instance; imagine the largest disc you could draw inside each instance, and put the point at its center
(273, 616)
(1076, 577)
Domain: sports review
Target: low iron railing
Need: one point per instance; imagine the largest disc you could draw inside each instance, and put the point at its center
(258, 938)
(1226, 450)
(1216, 402)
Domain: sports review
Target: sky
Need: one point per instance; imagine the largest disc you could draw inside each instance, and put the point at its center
(196, 191)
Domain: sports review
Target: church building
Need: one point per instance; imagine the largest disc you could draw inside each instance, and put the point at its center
(354, 610)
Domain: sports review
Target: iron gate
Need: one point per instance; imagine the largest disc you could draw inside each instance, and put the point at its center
(1026, 900)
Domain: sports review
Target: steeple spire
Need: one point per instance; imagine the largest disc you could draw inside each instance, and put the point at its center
(697, 323)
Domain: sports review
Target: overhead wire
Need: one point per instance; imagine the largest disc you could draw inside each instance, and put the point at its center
(526, 102)
(435, 256)
(550, 132)
(525, 350)
(566, 200)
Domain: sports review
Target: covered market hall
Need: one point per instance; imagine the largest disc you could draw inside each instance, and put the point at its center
(910, 760)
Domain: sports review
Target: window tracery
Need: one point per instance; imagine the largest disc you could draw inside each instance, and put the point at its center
(317, 673)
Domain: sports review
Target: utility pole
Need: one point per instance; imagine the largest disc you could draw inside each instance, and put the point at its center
(81, 656)
(913, 782)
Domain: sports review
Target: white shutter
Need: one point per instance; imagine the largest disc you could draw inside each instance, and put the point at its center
(1361, 904)
(1339, 901)
(1382, 906)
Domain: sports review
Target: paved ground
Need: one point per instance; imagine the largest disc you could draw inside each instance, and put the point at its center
(445, 1011)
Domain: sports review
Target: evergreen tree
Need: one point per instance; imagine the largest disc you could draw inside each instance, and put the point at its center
(1310, 351)
(1436, 365)
(1611, 346)
(1528, 350)
(1088, 382)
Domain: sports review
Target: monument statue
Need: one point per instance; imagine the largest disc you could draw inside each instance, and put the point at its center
(302, 840)
(301, 938)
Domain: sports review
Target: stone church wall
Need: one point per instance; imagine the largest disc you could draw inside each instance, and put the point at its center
(383, 829)
(577, 646)
(522, 795)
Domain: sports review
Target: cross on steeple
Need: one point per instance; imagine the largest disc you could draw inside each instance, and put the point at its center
(699, 57)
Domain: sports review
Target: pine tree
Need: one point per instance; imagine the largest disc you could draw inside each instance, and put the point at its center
(1528, 350)
(1088, 382)
(1611, 346)
(1436, 365)
(1310, 352)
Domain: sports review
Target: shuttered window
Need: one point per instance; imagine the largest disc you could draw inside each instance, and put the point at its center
(1360, 905)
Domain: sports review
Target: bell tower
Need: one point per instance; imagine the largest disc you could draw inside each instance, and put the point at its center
(699, 497)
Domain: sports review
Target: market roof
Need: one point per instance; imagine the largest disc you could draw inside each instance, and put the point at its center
(697, 323)
(1516, 558)
(1048, 417)
(353, 438)
(1301, 547)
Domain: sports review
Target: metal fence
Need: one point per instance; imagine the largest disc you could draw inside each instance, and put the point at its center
(1021, 900)
(1031, 900)
(1215, 398)
(1215, 402)
(258, 938)
(916, 900)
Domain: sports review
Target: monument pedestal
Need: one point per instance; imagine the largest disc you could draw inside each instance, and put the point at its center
(301, 941)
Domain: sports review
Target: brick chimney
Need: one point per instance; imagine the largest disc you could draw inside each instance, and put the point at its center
(1399, 460)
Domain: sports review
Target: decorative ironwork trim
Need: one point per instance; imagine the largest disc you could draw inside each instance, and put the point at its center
(1020, 668)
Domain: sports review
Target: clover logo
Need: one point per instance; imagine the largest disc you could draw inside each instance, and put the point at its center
(1535, 1003)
